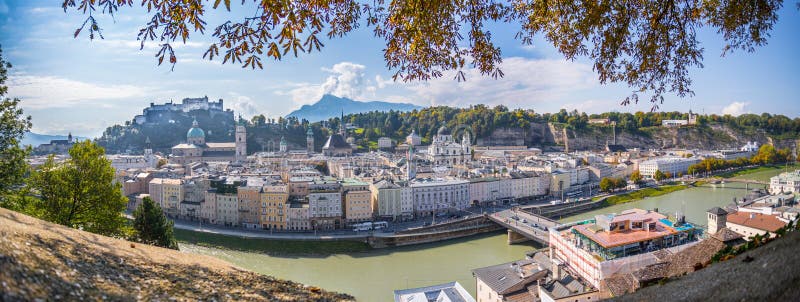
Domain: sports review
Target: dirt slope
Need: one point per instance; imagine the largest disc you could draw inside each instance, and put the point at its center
(44, 261)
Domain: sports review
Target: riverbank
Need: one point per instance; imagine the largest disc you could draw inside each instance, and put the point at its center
(761, 173)
(272, 246)
(642, 194)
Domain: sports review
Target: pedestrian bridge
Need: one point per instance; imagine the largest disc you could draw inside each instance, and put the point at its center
(523, 226)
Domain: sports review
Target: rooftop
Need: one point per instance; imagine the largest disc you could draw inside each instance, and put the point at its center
(510, 277)
(448, 292)
(759, 221)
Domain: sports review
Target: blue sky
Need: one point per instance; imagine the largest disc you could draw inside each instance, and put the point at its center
(84, 86)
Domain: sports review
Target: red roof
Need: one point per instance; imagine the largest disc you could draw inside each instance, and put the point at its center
(756, 220)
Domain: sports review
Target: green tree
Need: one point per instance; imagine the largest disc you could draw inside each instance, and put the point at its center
(606, 184)
(13, 125)
(152, 226)
(80, 192)
(659, 176)
(636, 177)
(650, 45)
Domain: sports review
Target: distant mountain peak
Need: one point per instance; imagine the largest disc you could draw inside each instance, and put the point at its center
(330, 106)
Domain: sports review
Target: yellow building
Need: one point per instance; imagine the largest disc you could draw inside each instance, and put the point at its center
(274, 204)
(168, 194)
(358, 207)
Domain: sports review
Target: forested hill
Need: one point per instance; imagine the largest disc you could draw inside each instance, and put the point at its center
(490, 125)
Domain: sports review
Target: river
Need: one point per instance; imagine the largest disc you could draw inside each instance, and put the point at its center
(372, 276)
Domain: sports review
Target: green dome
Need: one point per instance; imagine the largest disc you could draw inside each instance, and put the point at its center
(195, 132)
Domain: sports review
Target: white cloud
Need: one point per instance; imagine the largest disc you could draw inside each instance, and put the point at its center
(526, 82)
(38, 92)
(243, 105)
(735, 108)
(346, 79)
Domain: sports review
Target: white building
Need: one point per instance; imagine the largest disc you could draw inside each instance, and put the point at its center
(787, 182)
(445, 151)
(325, 209)
(673, 165)
(448, 292)
(750, 147)
(674, 123)
(384, 143)
(227, 209)
(435, 195)
(413, 139)
(388, 200)
(297, 217)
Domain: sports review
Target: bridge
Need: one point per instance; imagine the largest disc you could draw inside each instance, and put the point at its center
(523, 226)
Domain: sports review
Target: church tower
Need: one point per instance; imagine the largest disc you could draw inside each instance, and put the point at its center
(241, 141)
(717, 219)
(310, 140)
(466, 143)
(148, 153)
(342, 129)
(411, 169)
(283, 146)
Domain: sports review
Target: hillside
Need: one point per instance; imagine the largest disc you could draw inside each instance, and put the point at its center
(44, 261)
(330, 106)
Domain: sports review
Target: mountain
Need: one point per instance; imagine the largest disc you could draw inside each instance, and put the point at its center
(35, 139)
(332, 106)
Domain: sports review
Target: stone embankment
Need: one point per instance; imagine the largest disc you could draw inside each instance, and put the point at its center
(439, 232)
(43, 261)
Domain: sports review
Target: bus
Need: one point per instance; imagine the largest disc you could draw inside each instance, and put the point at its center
(360, 227)
(380, 225)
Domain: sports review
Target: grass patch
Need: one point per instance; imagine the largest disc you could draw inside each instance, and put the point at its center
(759, 169)
(271, 246)
(641, 194)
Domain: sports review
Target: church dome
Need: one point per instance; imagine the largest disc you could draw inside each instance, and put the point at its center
(443, 131)
(195, 132)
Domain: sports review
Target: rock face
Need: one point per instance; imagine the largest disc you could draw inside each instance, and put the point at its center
(42, 261)
(557, 136)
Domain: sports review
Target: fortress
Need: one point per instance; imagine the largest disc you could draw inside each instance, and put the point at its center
(164, 113)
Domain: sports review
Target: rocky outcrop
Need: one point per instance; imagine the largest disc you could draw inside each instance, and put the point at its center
(42, 261)
(551, 136)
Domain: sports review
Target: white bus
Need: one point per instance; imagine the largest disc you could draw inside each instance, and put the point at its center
(359, 227)
(380, 225)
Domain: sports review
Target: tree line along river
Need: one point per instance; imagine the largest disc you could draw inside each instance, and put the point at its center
(373, 275)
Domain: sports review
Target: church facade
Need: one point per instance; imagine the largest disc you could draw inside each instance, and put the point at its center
(445, 151)
(196, 149)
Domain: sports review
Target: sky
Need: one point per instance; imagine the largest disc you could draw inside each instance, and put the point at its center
(76, 85)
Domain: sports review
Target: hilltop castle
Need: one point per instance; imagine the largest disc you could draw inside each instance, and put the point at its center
(164, 113)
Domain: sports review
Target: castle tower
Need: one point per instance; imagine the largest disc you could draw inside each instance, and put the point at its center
(717, 220)
(283, 146)
(69, 138)
(241, 142)
(310, 140)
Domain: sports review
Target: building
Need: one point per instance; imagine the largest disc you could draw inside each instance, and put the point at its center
(445, 151)
(241, 141)
(508, 281)
(196, 149)
(56, 146)
(297, 216)
(413, 139)
(168, 194)
(163, 113)
(384, 143)
(208, 209)
(337, 145)
(227, 206)
(750, 224)
(717, 218)
(325, 209)
(274, 204)
(750, 147)
(283, 146)
(787, 182)
(310, 140)
(249, 197)
(448, 292)
(674, 123)
(439, 195)
(388, 200)
(676, 166)
(615, 244)
(357, 206)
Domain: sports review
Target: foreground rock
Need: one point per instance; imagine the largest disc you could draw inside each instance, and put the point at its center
(44, 261)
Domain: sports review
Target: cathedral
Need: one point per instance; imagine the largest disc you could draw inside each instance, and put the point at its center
(445, 151)
(337, 143)
(196, 149)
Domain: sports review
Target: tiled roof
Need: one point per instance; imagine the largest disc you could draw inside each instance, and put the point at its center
(756, 220)
(505, 278)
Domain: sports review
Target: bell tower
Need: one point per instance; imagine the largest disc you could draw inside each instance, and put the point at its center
(241, 141)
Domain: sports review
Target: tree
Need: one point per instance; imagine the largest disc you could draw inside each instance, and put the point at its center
(649, 45)
(152, 227)
(13, 125)
(80, 192)
(636, 177)
(606, 184)
(659, 176)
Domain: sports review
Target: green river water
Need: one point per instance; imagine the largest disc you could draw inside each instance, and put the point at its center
(373, 275)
